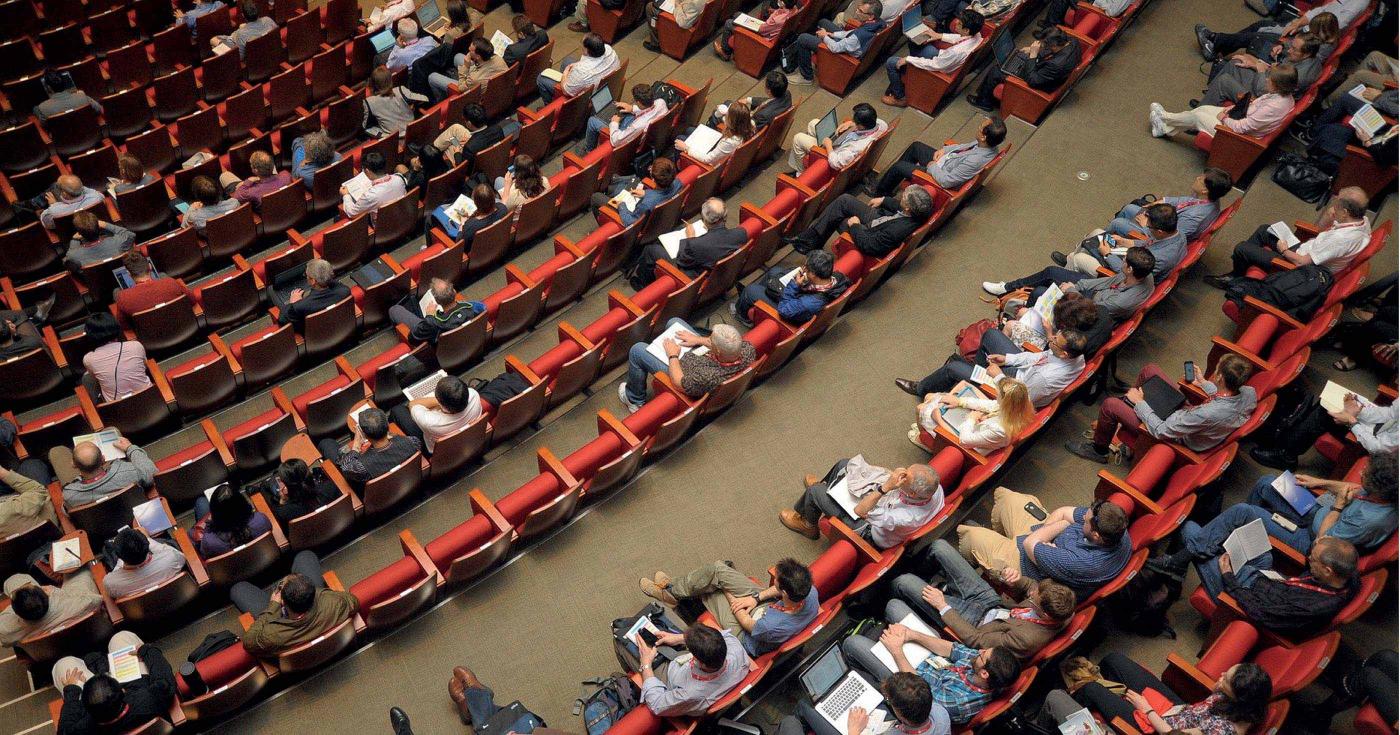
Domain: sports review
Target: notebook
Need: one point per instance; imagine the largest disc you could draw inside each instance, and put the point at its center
(1161, 396)
(151, 517)
(913, 652)
(358, 185)
(1246, 543)
(703, 139)
(659, 352)
(461, 209)
(1080, 723)
(104, 440)
(1283, 232)
(1366, 121)
(980, 376)
(500, 41)
(221, 48)
(826, 127)
(1334, 396)
(64, 556)
(955, 415)
(1286, 485)
(787, 277)
(841, 493)
(672, 240)
(553, 74)
(744, 20)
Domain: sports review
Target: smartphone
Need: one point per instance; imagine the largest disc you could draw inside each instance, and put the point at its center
(1190, 371)
(647, 637)
(1035, 511)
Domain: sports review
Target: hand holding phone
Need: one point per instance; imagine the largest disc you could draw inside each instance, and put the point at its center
(647, 637)
(1190, 371)
(1035, 511)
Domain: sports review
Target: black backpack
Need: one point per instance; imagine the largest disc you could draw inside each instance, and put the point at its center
(1302, 177)
(1141, 606)
(1297, 292)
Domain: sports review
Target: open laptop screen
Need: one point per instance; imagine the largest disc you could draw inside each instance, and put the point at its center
(822, 675)
(602, 100)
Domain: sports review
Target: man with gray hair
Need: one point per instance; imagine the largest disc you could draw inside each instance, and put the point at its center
(877, 228)
(427, 319)
(693, 370)
(696, 253)
(322, 292)
(66, 196)
(892, 503)
(408, 48)
(1345, 233)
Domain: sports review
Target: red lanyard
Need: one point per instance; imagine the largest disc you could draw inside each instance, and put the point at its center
(962, 674)
(1189, 203)
(700, 674)
(1299, 583)
(1028, 615)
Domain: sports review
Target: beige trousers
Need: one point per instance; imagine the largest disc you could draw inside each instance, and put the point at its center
(709, 583)
(995, 548)
(801, 143)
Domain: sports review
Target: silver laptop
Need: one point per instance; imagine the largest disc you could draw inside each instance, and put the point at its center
(826, 127)
(424, 387)
(602, 102)
(430, 18)
(835, 688)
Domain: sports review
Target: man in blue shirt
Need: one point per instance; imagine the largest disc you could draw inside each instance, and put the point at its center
(1082, 548)
(763, 618)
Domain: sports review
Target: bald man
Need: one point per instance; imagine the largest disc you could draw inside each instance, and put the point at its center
(1345, 232)
(894, 503)
(66, 196)
(87, 477)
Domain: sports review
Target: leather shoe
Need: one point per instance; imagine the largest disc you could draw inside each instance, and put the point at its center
(648, 45)
(795, 522)
(908, 386)
(893, 101)
(462, 680)
(42, 309)
(1275, 458)
(1060, 258)
(809, 480)
(799, 244)
(1193, 104)
(1087, 450)
(398, 719)
(979, 103)
(1220, 282)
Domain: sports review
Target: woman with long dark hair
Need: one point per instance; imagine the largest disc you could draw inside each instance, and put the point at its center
(226, 521)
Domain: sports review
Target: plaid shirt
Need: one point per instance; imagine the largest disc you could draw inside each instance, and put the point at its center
(952, 685)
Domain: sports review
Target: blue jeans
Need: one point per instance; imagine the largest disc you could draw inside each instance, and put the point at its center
(1123, 225)
(1265, 497)
(995, 342)
(596, 126)
(802, 50)
(481, 702)
(1209, 571)
(964, 589)
(440, 82)
(757, 291)
(858, 651)
(201, 507)
(926, 51)
(642, 364)
(546, 88)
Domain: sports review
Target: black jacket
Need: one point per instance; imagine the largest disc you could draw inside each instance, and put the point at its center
(699, 254)
(765, 109)
(312, 301)
(1050, 71)
(480, 141)
(883, 239)
(146, 697)
(359, 468)
(520, 49)
(433, 326)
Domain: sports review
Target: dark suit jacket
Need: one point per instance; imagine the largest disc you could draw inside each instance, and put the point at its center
(766, 109)
(699, 254)
(313, 301)
(520, 49)
(879, 241)
(1049, 72)
(433, 326)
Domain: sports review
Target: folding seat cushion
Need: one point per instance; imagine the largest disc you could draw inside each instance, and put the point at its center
(237, 347)
(468, 535)
(520, 502)
(219, 669)
(584, 462)
(763, 336)
(655, 412)
(387, 582)
(840, 561)
(321, 391)
(548, 364)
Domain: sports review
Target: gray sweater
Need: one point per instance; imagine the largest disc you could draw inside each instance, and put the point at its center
(136, 469)
(1118, 300)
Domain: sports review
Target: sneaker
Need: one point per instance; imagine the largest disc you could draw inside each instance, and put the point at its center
(796, 78)
(1205, 40)
(1059, 258)
(656, 592)
(1087, 450)
(741, 318)
(914, 437)
(1154, 116)
(622, 394)
(995, 288)
(1193, 103)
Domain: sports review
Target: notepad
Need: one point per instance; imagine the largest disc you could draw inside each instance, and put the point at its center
(672, 240)
(358, 186)
(64, 556)
(461, 209)
(424, 387)
(980, 376)
(787, 277)
(1359, 92)
(1042, 313)
(668, 6)
(744, 20)
(151, 517)
(1286, 485)
(1246, 543)
(840, 491)
(625, 198)
(1333, 397)
(124, 665)
(105, 440)
(914, 653)
(955, 415)
(1080, 723)
(703, 139)
(658, 350)
(221, 49)
(1366, 121)
(1284, 233)
(554, 74)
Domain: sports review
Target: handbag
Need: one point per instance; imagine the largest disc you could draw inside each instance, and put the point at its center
(969, 338)
(1301, 177)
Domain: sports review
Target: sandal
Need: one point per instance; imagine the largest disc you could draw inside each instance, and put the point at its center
(1344, 365)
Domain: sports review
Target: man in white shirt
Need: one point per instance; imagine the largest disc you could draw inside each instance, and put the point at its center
(851, 139)
(965, 38)
(452, 407)
(599, 60)
(141, 564)
(1045, 374)
(1345, 233)
(409, 47)
(895, 503)
(384, 187)
(628, 122)
(950, 166)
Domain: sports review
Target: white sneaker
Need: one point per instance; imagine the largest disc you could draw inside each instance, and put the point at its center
(995, 288)
(1154, 116)
(797, 80)
(622, 394)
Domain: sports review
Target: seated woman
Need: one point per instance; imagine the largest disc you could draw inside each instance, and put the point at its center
(990, 423)
(738, 129)
(130, 174)
(489, 211)
(209, 202)
(115, 366)
(1240, 700)
(388, 109)
(1263, 116)
(664, 186)
(522, 182)
(226, 521)
(774, 15)
(301, 489)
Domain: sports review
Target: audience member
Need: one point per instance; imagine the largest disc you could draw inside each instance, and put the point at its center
(64, 96)
(963, 685)
(322, 292)
(877, 228)
(372, 450)
(115, 366)
(797, 56)
(313, 152)
(762, 110)
(476, 703)
(299, 609)
(66, 196)
(628, 122)
(717, 665)
(1245, 74)
(1056, 10)
(461, 143)
(1045, 374)
(774, 16)
(988, 424)
(387, 13)
(481, 62)
(1194, 213)
(146, 291)
(452, 407)
(226, 520)
(209, 202)
(95, 702)
(1238, 701)
(797, 294)
(1043, 65)
(582, 75)
(444, 312)
(966, 37)
(254, 25)
(522, 182)
(763, 617)
(528, 38)
(36, 609)
(300, 489)
(1165, 241)
(695, 254)
(140, 563)
(131, 175)
(850, 139)
(693, 373)
(950, 166)
(462, 19)
(24, 502)
(1345, 232)
(408, 46)
(683, 12)
(95, 241)
(88, 477)
(1298, 422)
(737, 129)
(664, 186)
(199, 8)
(1263, 115)
(1213, 44)
(489, 211)
(264, 180)
(892, 504)
(910, 700)
(388, 109)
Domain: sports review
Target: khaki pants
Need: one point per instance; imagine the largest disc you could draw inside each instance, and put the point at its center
(1374, 72)
(1084, 263)
(119, 641)
(801, 143)
(709, 583)
(61, 460)
(228, 182)
(1202, 119)
(455, 134)
(995, 548)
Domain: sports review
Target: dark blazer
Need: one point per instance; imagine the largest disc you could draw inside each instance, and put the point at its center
(699, 254)
(146, 697)
(313, 301)
(881, 240)
(433, 326)
(1049, 72)
(520, 49)
(767, 108)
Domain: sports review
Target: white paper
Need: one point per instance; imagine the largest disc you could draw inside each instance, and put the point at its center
(1246, 543)
(744, 20)
(1358, 92)
(919, 33)
(840, 491)
(104, 440)
(554, 74)
(703, 140)
(658, 351)
(1283, 232)
(221, 49)
(1334, 396)
(1271, 574)
(787, 278)
(64, 555)
(1042, 313)
(209, 493)
(151, 517)
(634, 633)
(424, 387)
(1080, 723)
(672, 240)
(625, 198)
(355, 415)
(358, 185)
(1367, 121)
(669, 6)
(376, 16)
(913, 652)
(500, 41)
(124, 665)
(980, 376)
(460, 210)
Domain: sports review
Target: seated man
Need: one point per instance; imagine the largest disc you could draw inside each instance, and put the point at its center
(977, 613)
(663, 187)
(476, 703)
(973, 677)
(372, 450)
(445, 312)
(66, 196)
(1045, 374)
(877, 228)
(950, 166)
(254, 25)
(88, 477)
(1296, 428)
(299, 609)
(64, 96)
(1080, 547)
(95, 241)
(684, 12)
(896, 502)
(910, 700)
(1055, 11)
(481, 62)
(408, 47)
(1264, 115)
(18, 334)
(811, 288)
(762, 110)
(695, 254)
(965, 37)
(95, 702)
(209, 203)
(1200, 427)
(322, 292)
(774, 16)
(34, 609)
(453, 406)
(265, 180)
(693, 374)
(385, 187)
(1194, 213)
(1245, 74)
(1165, 241)
(583, 74)
(1332, 133)
(797, 57)
(1345, 233)
(717, 665)
(763, 617)
(24, 501)
(628, 122)
(1044, 65)
(1214, 43)
(850, 139)
(145, 292)
(1120, 295)
(141, 564)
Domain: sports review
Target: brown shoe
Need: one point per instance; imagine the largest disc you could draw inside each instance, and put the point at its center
(656, 592)
(893, 101)
(719, 50)
(810, 480)
(462, 680)
(578, 26)
(661, 579)
(795, 522)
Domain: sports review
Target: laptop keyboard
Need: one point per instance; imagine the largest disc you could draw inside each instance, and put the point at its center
(842, 698)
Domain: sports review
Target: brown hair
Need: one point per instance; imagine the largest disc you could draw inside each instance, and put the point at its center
(663, 172)
(85, 222)
(1056, 600)
(528, 178)
(738, 121)
(485, 199)
(129, 168)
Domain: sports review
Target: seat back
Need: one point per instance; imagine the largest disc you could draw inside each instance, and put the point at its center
(517, 412)
(321, 525)
(392, 487)
(26, 250)
(489, 245)
(101, 518)
(459, 347)
(537, 216)
(274, 353)
(262, 447)
(575, 375)
(166, 325)
(722, 277)
(80, 634)
(137, 413)
(229, 234)
(228, 299)
(452, 452)
(16, 547)
(73, 131)
(159, 601)
(498, 92)
(328, 329)
(517, 313)
(729, 391)
(397, 220)
(244, 561)
(187, 479)
(319, 650)
(568, 283)
(579, 187)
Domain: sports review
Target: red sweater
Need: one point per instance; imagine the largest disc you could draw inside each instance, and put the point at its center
(143, 296)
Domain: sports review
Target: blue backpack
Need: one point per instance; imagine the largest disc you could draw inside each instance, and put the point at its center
(605, 701)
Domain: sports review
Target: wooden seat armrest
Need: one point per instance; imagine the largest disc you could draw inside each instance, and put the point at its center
(550, 464)
(526, 115)
(574, 160)
(685, 89)
(411, 547)
(844, 244)
(162, 385)
(565, 245)
(569, 332)
(945, 437)
(769, 312)
(441, 238)
(1193, 392)
(841, 531)
(787, 181)
(211, 432)
(660, 382)
(345, 368)
(1253, 307)
(285, 404)
(608, 423)
(1305, 230)
(619, 300)
(88, 407)
(686, 161)
(1288, 552)
(515, 365)
(1220, 345)
(1123, 727)
(668, 269)
(608, 213)
(1386, 394)
(482, 505)
(920, 176)
(1182, 677)
(7, 287)
(50, 338)
(343, 485)
(297, 239)
(260, 504)
(332, 581)
(394, 264)
(221, 347)
(749, 210)
(196, 565)
(517, 276)
(1110, 483)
